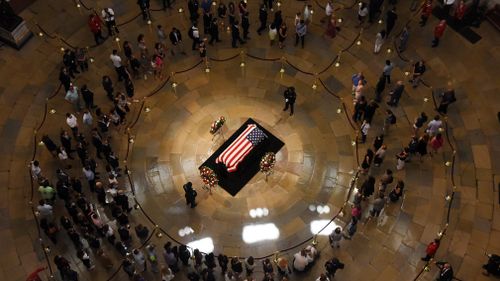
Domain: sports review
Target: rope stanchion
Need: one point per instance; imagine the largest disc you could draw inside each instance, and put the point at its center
(298, 69)
(327, 89)
(262, 59)
(190, 68)
(226, 59)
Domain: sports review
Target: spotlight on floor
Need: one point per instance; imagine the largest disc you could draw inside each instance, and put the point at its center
(260, 232)
(204, 245)
(317, 225)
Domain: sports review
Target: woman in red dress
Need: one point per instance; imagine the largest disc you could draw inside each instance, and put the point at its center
(331, 28)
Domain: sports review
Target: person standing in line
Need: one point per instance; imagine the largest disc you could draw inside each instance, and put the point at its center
(388, 67)
(447, 98)
(193, 7)
(194, 34)
(235, 34)
(419, 69)
(144, 6)
(448, 5)
(300, 33)
(351, 228)
(273, 32)
(365, 127)
(421, 147)
(207, 20)
(161, 35)
(379, 156)
(403, 38)
(140, 260)
(431, 250)
(290, 97)
(95, 25)
(117, 63)
(73, 97)
(419, 122)
(190, 194)
(214, 32)
(152, 257)
(438, 33)
(445, 270)
(396, 94)
(282, 33)
(390, 20)
(72, 123)
(436, 143)
(88, 97)
(69, 61)
(434, 126)
(109, 17)
(359, 109)
(245, 25)
(328, 11)
(426, 12)
(401, 158)
(362, 13)
(335, 237)
(379, 41)
(262, 18)
(378, 205)
(389, 120)
(87, 118)
(370, 110)
(107, 84)
(176, 40)
(65, 78)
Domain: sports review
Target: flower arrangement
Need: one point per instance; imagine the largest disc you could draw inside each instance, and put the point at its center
(208, 176)
(267, 163)
(217, 124)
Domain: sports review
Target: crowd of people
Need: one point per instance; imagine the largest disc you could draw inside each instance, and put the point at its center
(82, 220)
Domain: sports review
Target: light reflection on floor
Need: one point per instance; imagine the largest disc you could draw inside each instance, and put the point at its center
(259, 212)
(260, 232)
(185, 231)
(317, 225)
(205, 245)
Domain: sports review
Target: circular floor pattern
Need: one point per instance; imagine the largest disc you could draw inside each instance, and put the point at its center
(309, 184)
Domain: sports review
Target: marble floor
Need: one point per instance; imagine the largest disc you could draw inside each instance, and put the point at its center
(311, 182)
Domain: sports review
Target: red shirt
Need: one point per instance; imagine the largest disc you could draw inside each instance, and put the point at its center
(460, 12)
(432, 248)
(95, 24)
(427, 9)
(439, 30)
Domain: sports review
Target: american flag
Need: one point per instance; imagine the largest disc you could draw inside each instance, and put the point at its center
(241, 146)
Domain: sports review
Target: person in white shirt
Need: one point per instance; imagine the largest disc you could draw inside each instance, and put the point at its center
(44, 209)
(328, 11)
(109, 17)
(364, 130)
(117, 63)
(301, 260)
(434, 126)
(36, 171)
(72, 123)
(87, 118)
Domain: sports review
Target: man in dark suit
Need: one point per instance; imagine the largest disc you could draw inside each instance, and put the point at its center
(235, 34)
(190, 194)
(290, 97)
(144, 6)
(396, 94)
(445, 271)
